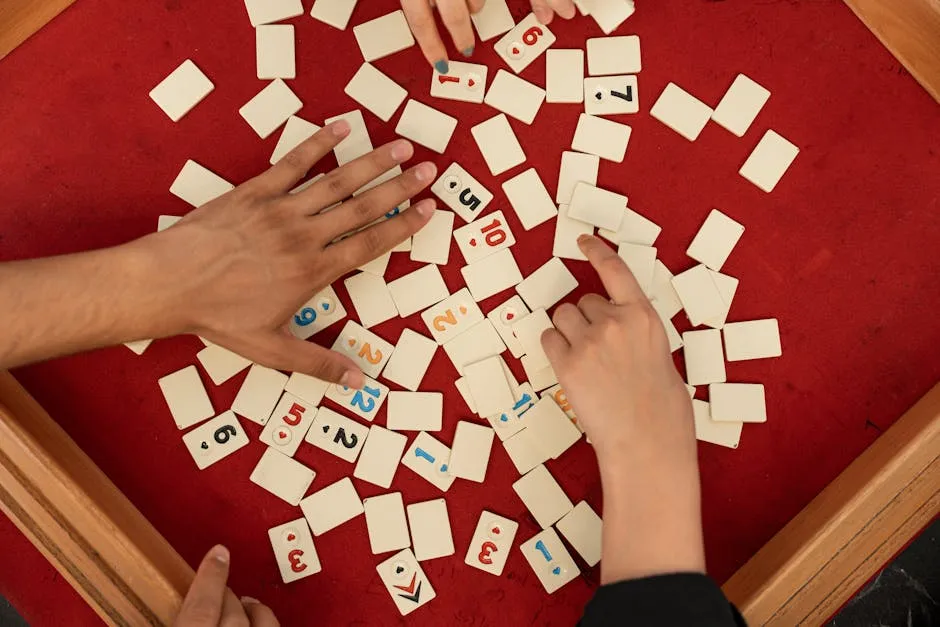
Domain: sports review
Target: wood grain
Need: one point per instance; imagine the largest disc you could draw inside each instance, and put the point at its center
(19, 19)
(848, 532)
(81, 522)
(910, 29)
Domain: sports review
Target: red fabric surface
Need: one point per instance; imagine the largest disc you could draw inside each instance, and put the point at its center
(841, 253)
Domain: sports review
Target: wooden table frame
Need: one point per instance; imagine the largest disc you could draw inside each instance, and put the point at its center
(130, 574)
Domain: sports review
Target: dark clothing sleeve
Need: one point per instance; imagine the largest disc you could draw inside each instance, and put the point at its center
(681, 600)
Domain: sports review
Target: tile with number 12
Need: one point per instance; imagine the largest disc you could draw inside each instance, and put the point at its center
(365, 403)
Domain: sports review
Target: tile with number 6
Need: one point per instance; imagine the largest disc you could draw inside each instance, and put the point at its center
(317, 314)
(288, 424)
(294, 550)
(491, 543)
(364, 403)
(479, 240)
(337, 434)
(368, 350)
(216, 439)
(526, 42)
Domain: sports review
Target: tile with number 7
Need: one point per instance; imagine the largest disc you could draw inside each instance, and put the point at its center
(491, 543)
(452, 316)
(481, 239)
(338, 435)
(365, 348)
(364, 403)
(288, 424)
(405, 581)
(317, 314)
(294, 550)
(527, 41)
(464, 81)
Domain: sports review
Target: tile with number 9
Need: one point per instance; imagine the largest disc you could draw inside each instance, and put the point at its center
(317, 314)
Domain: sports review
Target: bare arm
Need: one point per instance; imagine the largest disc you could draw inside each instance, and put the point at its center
(612, 358)
(233, 271)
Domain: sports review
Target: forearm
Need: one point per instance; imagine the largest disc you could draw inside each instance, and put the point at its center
(62, 305)
(652, 519)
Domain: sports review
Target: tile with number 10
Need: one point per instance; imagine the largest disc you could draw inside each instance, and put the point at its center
(365, 403)
(463, 81)
(491, 542)
(462, 193)
(479, 240)
(452, 316)
(317, 314)
(528, 40)
(288, 424)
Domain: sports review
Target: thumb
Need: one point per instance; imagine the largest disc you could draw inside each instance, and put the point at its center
(286, 352)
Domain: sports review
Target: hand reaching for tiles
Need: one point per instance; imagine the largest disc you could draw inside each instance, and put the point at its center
(209, 603)
(612, 359)
(456, 17)
(244, 263)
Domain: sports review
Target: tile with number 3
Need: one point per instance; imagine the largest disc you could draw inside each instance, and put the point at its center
(294, 550)
(288, 424)
(317, 314)
(491, 543)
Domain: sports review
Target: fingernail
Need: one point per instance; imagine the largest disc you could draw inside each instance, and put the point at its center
(425, 171)
(425, 208)
(401, 150)
(583, 238)
(442, 66)
(467, 52)
(220, 554)
(249, 601)
(339, 128)
(352, 379)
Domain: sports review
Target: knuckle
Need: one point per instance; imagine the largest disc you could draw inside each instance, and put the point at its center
(372, 242)
(295, 159)
(336, 184)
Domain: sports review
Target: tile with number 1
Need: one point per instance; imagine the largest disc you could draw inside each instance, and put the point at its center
(464, 81)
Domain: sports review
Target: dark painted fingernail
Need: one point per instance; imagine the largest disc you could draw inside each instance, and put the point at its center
(442, 66)
(468, 52)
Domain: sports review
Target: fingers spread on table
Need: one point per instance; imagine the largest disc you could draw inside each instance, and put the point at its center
(619, 282)
(570, 321)
(294, 166)
(420, 16)
(202, 606)
(556, 348)
(595, 307)
(564, 8)
(369, 206)
(380, 238)
(340, 184)
(282, 351)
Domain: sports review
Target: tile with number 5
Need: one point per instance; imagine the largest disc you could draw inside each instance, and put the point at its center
(368, 350)
(491, 543)
(364, 403)
(288, 424)
(294, 550)
(317, 314)
(462, 193)
(337, 434)
(526, 42)
(481, 239)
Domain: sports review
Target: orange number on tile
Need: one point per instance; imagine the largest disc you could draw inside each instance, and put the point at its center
(367, 354)
(447, 318)
(562, 399)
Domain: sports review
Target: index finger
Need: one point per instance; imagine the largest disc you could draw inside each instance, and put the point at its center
(202, 606)
(421, 19)
(619, 282)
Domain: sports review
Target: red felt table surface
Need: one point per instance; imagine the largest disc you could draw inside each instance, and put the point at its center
(842, 253)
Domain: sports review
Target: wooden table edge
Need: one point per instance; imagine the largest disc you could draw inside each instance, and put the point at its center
(131, 575)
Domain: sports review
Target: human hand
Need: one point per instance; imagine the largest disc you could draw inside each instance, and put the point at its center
(240, 266)
(209, 603)
(456, 17)
(612, 359)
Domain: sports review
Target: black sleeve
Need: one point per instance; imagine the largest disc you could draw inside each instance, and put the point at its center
(682, 600)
